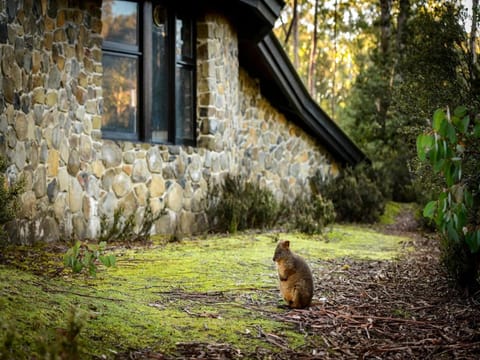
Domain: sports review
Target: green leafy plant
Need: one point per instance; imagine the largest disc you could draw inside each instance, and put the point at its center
(451, 147)
(86, 256)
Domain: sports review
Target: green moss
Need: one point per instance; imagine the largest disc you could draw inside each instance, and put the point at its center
(393, 210)
(362, 243)
(215, 290)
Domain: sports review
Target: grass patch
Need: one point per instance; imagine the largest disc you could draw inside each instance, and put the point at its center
(217, 290)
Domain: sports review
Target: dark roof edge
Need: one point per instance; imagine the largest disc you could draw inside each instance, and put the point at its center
(267, 9)
(307, 111)
(254, 18)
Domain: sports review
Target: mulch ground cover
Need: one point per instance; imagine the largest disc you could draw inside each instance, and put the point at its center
(392, 310)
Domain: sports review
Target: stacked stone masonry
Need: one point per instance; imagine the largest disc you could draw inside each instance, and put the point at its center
(50, 127)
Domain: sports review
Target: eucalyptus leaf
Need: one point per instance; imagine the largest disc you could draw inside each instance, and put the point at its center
(460, 111)
(465, 123)
(424, 145)
(430, 209)
(438, 119)
(468, 198)
(476, 131)
(451, 133)
(452, 232)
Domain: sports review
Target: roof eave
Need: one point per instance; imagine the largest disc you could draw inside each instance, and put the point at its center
(269, 10)
(262, 15)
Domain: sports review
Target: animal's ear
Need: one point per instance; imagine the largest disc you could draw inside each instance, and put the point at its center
(286, 244)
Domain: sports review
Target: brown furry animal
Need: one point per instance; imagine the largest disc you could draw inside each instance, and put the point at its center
(296, 281)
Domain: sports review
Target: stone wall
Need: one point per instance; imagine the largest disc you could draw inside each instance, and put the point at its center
(50, 126)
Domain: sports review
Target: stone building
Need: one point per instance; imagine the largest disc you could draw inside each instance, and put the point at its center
(109, 104)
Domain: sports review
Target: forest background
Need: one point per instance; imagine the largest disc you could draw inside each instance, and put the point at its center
(380, 68)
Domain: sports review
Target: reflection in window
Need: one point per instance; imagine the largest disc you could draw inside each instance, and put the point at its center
(184, 72)
(184, 44)
(184, 106)
(120, 93)
(119, 22)
(160, 75)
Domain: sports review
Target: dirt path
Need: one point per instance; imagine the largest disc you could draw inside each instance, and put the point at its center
(394, 310)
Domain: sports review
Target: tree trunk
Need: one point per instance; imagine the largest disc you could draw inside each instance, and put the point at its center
(473, 34)
(385, 25)
(295, 33)
(383, 101)
(401, 21)
(400, 42)
(334, 74)
(313, 53)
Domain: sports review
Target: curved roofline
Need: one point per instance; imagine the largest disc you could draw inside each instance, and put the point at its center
(300, 103)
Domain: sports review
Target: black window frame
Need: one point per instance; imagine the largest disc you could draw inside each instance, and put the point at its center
(143, 128)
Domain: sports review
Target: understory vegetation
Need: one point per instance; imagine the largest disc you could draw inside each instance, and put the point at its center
(450, 149)
(236, 204)
(86, 255)
(356, 194)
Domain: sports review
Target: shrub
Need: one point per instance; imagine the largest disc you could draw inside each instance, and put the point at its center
(8, 335)
(9, 198)
(310, 214)
(355, 194)
(51, 342)
(235, 205)
(451, 149)
(65, 344)
(426, 187)
(118, 230)
(123, 229)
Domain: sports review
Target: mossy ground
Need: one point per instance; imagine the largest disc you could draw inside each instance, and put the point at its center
(219, 289)
(394, 209)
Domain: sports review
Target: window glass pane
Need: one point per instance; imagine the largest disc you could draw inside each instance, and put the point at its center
(120, 78)
(183, 39)
(119, 22)
(160, 94)
(185, 130)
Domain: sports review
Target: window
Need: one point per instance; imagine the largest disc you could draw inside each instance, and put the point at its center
(148, 72)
